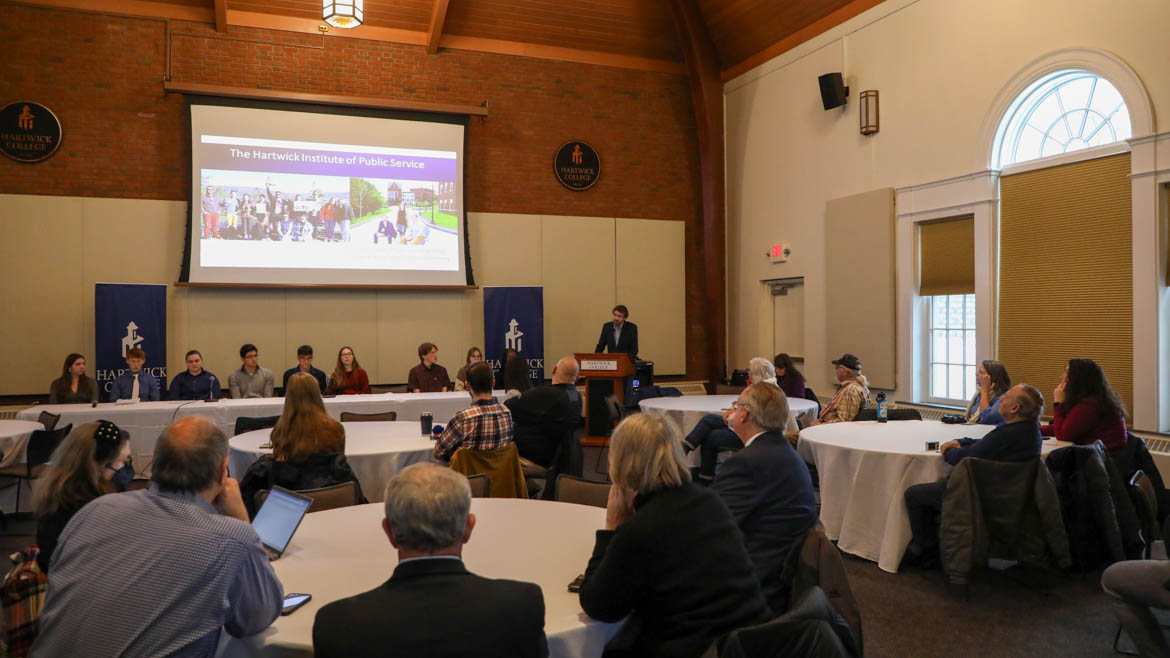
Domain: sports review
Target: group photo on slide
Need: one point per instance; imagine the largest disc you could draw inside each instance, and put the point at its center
(245, 205)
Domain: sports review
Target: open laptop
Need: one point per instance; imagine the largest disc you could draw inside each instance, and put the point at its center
(278, 518)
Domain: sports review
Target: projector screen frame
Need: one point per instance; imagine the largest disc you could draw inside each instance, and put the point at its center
(327, 107)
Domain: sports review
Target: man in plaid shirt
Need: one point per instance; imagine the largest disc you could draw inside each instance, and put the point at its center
(852, 393)
(485, 425)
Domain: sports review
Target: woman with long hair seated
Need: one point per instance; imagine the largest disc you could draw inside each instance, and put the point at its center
(993, 381)
(670, 554)
(73, 386)
(81, 469)
(474, 355)
(348, 378)
(788, 378)
(308, 447)
(1086, 408)
(515, 376)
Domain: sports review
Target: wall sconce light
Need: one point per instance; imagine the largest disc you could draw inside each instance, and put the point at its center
(869, 112)
(343, 13)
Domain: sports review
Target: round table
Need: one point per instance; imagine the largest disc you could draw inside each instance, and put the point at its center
(375, 452)
(865, 468)
(14, 435)
(686, 411)
(342, 552)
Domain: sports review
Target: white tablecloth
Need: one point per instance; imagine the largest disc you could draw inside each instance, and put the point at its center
(865, 468)
(146, 420)
(342, 552)
(375, 452)
(14, 436)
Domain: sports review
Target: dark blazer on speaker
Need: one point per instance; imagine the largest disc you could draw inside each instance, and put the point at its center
(628, 342)
(433, 608)
(769, 492)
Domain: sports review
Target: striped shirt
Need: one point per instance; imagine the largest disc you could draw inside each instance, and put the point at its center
(485, 425)
(152, 573)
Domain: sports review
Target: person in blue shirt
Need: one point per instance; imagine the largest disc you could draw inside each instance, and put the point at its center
(305, 364)
(194, 383)
(135, 383)
(993, 381)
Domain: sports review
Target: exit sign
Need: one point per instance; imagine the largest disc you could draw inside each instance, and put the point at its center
(779, 253)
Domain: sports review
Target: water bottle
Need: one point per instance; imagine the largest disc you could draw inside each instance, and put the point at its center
(883, 411)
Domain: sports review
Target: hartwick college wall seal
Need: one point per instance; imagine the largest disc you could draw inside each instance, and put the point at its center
(577, 165)
(29, 132)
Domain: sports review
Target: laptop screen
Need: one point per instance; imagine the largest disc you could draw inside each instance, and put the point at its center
(279, 517)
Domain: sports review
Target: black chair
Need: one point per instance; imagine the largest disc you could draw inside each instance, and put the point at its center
(49, 420)
(809, 395)
(1145, 500)
(481, 485)
(812, 628)
(870, 413)
(614, 411)
(41, 445)
(354, 417)
(251, 424)
(562, 462)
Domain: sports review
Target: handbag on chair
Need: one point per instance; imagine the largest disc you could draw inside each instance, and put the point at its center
(23, 596)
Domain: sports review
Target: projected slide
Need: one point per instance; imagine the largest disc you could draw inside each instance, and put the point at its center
(294, 211)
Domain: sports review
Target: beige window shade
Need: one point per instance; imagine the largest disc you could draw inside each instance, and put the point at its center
(946, 252)
(1065, 275)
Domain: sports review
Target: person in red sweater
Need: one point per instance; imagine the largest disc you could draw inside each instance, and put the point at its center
(348, 378)
(1086, 408)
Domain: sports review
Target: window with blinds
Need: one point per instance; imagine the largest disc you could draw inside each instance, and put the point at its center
(946, 256)
(1066, 274)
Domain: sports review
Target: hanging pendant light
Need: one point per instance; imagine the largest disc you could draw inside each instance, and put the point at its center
(343, 13)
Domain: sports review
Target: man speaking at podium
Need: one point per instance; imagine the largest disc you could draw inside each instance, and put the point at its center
(619, 335)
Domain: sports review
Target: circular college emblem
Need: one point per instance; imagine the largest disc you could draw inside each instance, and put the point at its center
(29, 132)
(577, 165)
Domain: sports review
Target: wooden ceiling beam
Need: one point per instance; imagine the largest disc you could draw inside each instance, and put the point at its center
(435, 28)
(131, 8)
(221, 23)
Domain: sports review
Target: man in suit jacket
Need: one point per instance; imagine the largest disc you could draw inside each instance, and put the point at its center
(433, 606)
(1018, 439)
(619, 335)
(767, 486)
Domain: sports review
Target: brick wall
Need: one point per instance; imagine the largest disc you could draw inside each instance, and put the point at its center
(124, 138)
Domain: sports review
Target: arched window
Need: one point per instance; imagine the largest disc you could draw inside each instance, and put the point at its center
(1064, 111)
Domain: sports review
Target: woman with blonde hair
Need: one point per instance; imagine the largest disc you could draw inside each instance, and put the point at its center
(81, 469)
(638, 566)
(348, 377)
(308, 447)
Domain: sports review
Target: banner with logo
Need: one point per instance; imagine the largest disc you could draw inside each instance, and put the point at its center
(129, 315)
(513, 317)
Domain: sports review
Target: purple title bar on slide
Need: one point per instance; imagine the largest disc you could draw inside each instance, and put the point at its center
(326, 163)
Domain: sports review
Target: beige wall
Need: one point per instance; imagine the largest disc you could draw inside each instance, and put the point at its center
(939, 65)
(56, 248)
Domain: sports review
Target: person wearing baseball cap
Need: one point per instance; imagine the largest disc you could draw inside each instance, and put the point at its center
(852, 392)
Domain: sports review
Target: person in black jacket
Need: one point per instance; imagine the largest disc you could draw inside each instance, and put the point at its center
(619, 335)
(670, 554)
(432, 605)
(766, 486)
(1017, 440)
(543, 415)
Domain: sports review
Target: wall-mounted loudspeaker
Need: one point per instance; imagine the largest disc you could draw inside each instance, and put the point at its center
(834, 93)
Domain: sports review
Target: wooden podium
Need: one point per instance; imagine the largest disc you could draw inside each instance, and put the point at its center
(604, 374)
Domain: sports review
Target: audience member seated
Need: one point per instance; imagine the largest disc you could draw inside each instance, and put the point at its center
(73, 386)
(670, 554)
(428, 376)
(82, 468)
(712, 433)
(993, 381)
(485, 425)
(1017, 440)
(305, 365)
(251, 380)
(516, 377)
(543, 415)
(788, 378)
(766, 486)
(348, 377)
(1135, 586)
(161, 571)
(135, 383)
(852, 392)
(1086, 408)
(473, 355)
(431, 592)
(308, 447)
(194, 383)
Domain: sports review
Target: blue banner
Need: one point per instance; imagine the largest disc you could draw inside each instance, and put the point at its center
(513, 317)
(128, 316)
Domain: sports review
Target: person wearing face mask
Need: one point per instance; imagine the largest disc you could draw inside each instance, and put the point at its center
(135, 383)
(81, 469)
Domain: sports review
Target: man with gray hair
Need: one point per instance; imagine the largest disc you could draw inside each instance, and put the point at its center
(1017, 440)
(198, 566)
(432, 605)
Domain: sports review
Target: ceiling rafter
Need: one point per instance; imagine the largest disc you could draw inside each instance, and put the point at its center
(221, 21)
(435, 28)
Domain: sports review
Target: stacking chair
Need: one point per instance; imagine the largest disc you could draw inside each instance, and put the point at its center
(481, 485)
(49, 420)
(572, 489)
(325, 498)
(501, 465)
(354, 417)
(251, 424)
(41, 445)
